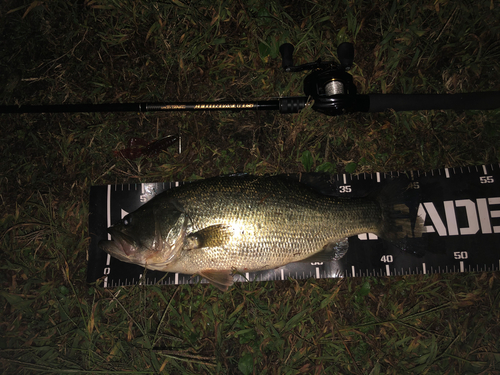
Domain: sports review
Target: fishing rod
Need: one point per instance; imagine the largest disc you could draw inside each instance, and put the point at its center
(329, 89)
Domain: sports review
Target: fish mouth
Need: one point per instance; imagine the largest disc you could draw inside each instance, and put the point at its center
(121, 246)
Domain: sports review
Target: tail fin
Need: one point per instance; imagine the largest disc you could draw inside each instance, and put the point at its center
(398, 222)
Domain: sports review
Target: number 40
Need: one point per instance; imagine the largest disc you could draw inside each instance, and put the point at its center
(387, 259)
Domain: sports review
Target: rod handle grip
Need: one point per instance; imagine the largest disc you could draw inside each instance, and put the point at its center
(419, 102)
(293, 104)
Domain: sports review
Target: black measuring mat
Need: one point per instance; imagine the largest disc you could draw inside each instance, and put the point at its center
(460, 208)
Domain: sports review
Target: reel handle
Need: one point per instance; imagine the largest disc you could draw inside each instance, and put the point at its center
(345, 52)
(286, 51)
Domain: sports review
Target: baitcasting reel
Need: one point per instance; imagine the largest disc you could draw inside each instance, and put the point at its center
(329, 84)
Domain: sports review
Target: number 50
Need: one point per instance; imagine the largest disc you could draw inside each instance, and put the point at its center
(460, 255)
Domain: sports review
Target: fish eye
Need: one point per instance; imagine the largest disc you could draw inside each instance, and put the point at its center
(127, 220)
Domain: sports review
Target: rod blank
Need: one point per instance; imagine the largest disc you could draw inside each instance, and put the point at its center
(284, 105)
(331, 105)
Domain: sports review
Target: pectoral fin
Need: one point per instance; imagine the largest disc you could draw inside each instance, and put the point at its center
(220, 279)
(212, 236)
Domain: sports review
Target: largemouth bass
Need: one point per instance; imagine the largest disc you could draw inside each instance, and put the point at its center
(219, 226)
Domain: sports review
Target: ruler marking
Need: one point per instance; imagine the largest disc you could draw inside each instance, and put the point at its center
(345, 179)
(447, 172)
(424, 269)
(378, 176)
(387, 270)
(108, 209)
(317, 273)
(282, 274)
(108, 222)
(354, 270)
(462, 266)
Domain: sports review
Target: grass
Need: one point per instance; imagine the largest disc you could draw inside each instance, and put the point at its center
(125, 51)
